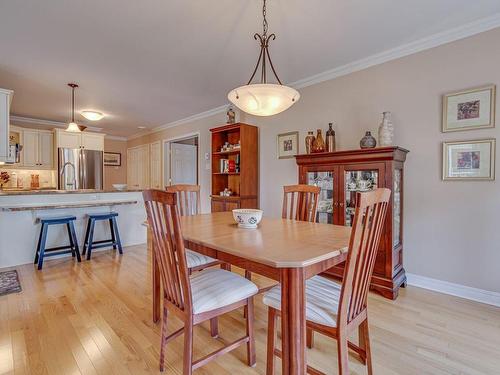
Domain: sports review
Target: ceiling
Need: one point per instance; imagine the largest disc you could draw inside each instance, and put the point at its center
(152, 62)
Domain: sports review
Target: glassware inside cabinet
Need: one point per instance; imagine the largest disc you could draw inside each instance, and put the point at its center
(325, 200)
(357, 181)
(396, 214)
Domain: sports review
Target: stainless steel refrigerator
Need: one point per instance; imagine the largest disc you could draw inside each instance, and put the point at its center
(80, 169)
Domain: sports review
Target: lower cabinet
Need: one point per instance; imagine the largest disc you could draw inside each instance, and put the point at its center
(221, 204)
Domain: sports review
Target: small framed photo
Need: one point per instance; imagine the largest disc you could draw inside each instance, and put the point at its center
(469, 110)
(469, 160)
(112, 159)
(288, 145)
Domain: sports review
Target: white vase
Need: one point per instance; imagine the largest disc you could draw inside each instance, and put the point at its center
(386, 130)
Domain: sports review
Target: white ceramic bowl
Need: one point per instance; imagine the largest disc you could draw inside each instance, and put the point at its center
(120, 186)
(247, 217)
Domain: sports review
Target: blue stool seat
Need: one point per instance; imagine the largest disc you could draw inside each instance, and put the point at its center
(42, 251)
(89, 244)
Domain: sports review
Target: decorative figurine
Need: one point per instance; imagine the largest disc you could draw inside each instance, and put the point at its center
(309, 142)
(231, 116)
(368, 141)
(318, 144)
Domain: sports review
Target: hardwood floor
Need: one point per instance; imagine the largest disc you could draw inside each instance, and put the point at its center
(95, 318)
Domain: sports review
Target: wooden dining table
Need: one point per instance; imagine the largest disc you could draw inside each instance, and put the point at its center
(287, 251)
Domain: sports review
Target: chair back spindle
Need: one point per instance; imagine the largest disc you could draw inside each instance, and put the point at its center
(365, 237)
(188, 198)
(163, 219)
(300, 202)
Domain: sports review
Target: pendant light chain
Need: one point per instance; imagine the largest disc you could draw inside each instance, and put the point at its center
(72, 103)
(264, 22)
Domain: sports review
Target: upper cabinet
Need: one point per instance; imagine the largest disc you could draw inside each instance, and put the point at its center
(86, 140)
(5, 150)
(38, 149)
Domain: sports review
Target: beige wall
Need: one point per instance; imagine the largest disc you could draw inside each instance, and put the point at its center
(451, 228)
(115, 175)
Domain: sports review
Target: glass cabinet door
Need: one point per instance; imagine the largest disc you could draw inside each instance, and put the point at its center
(361, 180)
(325, 201)
(396, 210)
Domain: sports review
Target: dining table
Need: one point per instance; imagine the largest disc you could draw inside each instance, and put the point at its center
(287, 251)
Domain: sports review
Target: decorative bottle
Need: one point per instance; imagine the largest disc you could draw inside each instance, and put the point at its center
(319, 143)
(368, 141)
(330, 138)
(309, 142)
(386, 130)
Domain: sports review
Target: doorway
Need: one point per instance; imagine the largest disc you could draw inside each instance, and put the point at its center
(181, 160)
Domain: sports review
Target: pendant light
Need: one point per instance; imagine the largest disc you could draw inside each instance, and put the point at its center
(264, 99)
(72, 126)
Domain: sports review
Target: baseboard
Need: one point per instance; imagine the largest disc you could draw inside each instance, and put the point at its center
(474, 294)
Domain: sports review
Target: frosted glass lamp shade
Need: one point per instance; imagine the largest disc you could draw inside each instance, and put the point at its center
(92, 115)
(73, 127)
(263, 99)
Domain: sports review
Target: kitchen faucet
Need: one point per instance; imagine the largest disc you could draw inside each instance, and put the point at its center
(63, 172)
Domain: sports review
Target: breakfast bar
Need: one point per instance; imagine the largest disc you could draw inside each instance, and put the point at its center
(20, 212)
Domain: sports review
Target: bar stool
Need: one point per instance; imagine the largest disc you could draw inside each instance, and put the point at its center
(42, 251)
(89, 244)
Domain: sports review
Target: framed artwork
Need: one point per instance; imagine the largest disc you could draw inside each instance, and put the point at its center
(113, 159)
(288, 145)
(469, 110)
(469, 160)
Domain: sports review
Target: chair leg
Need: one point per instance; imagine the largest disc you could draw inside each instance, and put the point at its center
(188, 347)
(343, 353)
(163, 341)
(38, 246)
(112, 230)
(251, 357)
(42, 241)
(86, 240)
(71, 243)
(90, 239)
(214, 327)
(117, 234)
(364, 343)
(75, 241)
(309, 338)
(271, 336)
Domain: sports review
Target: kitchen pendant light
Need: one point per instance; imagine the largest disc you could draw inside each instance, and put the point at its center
(263, 99)
(73, 126)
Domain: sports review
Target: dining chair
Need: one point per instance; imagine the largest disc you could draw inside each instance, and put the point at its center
(188, 201)
(198, 297)
(337, 310)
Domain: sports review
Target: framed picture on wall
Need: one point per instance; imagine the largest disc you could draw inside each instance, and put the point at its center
(113, 159)
(469, 160)
(469, 110)
(288, 145)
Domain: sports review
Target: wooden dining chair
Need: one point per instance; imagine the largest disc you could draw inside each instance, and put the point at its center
(338, 310)
(300, 202)
(197, 298)
(188, 201)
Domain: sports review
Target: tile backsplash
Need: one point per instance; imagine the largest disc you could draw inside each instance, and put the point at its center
(48, 178)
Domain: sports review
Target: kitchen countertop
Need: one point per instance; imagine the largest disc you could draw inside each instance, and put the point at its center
(8, 192)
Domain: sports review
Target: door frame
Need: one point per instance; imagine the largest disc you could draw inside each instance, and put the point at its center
(166, 155)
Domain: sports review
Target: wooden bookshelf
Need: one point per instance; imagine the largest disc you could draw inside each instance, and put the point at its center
(245, 183)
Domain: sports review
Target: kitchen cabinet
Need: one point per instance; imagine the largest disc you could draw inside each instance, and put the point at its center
(5, 100)
(341, 175)
(155, 164)
(138, 167)
(38, 149)
(86, 140)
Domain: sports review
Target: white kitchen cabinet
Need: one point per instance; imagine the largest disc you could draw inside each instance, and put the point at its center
(86, 140)
(5, 100)
(138, 169)
(155, 163)
(38, 149)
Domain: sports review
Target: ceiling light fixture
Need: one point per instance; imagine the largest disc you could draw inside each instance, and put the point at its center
(264, 99)
(73, 126)
(92, 115)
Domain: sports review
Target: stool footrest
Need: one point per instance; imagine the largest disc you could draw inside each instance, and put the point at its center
(98, 246)
(52, 253)
(102, 241)
(47, 249)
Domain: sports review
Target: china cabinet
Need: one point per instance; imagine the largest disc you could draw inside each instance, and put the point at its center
(235, 167)
(340, 175)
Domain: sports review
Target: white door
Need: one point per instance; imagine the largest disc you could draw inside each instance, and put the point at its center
(46, 149)
(155, 163)
(183, 164)
(30, 148)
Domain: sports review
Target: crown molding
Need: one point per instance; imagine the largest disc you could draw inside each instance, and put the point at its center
(36, 121)
(419, 45)
(115, 138)
(457, 290)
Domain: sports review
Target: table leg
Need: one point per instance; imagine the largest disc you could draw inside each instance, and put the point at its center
(293, 323)
(156, 280)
